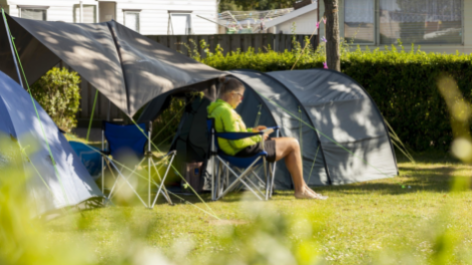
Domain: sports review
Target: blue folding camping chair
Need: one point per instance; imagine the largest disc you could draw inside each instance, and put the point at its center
(246, 166)
(125, 141)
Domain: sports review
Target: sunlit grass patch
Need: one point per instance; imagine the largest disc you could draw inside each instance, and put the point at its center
(384, 221)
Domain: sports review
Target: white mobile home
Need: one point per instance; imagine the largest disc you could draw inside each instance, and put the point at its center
(300, 21)
(148, 17)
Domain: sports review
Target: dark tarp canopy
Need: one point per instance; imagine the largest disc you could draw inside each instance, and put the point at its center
(125, 66)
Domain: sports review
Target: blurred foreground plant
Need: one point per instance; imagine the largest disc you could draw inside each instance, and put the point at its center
(270, 237)
(22, 238)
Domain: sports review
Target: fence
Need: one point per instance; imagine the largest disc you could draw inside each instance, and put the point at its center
(229, 42)
(233, 42)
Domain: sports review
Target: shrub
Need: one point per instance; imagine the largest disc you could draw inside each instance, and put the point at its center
(167, 123)
(58, 93)
(403, 84)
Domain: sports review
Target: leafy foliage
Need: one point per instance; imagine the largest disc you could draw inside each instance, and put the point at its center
(402, 83)
(167, 123)
(58, 93)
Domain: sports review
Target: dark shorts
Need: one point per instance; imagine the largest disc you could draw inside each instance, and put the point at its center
(269, 146)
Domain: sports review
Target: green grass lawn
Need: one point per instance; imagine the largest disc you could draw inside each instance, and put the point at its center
(409, 219)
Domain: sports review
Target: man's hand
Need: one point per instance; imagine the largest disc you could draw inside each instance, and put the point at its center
(259, 128)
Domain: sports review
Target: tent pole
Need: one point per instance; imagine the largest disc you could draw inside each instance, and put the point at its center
(108, 112)
(12, 50)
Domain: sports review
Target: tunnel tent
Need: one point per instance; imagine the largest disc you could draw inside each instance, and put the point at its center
(51, 183)
(335, 120)
(342, 133)
(126, 67)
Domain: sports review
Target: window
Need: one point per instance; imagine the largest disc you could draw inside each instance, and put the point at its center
(33, 12)
(359, 21)
(89, 14)
(411, 21)
(421, 21)
(132, 20)
(179, 24)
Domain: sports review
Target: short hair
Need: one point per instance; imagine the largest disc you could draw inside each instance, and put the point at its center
(228, 84)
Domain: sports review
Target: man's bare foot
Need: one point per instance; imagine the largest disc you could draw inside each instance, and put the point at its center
(320, 197)
(309, 194)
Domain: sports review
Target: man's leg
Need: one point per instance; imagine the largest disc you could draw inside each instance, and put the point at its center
(289, 148)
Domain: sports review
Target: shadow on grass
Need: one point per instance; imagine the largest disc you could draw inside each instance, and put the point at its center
(411, 179)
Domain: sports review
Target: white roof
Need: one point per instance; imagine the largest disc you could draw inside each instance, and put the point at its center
(292, 15)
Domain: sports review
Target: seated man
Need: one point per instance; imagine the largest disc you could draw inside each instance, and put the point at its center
(228, 120)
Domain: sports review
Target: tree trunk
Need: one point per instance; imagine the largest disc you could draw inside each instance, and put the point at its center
(333, 56)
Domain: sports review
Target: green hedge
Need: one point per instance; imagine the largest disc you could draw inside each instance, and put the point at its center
(403, 84)
(58, 93)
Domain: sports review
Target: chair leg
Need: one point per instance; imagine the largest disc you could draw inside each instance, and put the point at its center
(165, 194)
(103, 166)
(264, 165)
(127, 182)
(218, 179)
(272, 179)
(103, 177)
(254, 173)
(250, 185)
(255, 188)
(106, 162)
(213, 180)
(238, 179)
(149, 182)
(163, 182)
(269, 182)
(226, 178)
(116, 181)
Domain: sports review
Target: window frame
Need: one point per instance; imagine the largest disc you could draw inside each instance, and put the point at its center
(95, 14)
(377, 27)
(374, 30)
(33, 7)
(179, 12)
(133, 11)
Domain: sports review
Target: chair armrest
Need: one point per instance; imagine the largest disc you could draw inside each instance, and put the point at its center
(237, 135)
(274, 127)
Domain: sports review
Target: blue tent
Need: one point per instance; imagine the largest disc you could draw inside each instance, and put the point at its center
(48, 187)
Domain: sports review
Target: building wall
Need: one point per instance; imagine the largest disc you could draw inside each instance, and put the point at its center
(154, 17)
(154, 14)
(466, 47)
(305, 24)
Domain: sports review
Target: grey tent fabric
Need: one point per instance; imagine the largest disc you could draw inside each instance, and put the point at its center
(46, 189)
(125, 66)
(342, 134)
(353, 136)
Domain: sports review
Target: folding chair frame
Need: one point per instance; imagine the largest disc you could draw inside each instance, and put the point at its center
(217, 181)
(147, 156)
